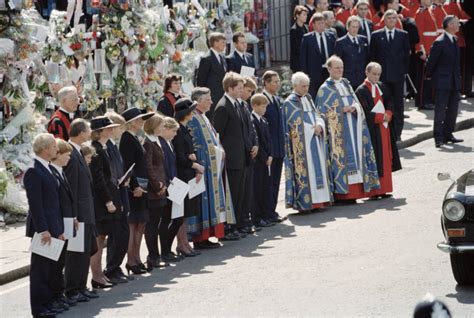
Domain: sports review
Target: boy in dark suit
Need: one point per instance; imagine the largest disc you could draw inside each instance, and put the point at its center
(262, 211)
(212, 69)
(44, 218)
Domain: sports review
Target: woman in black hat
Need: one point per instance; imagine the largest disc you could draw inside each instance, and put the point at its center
(107, 202)
(188, 168)
(133, 153)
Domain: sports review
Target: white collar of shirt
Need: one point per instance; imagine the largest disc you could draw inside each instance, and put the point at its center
(232, 100)
(44, 163)
(71, 115)
(450, 36)
(76, 146)
(257, 115)
(392, 30)
(268, 94)
(60, 169)
(217, 54)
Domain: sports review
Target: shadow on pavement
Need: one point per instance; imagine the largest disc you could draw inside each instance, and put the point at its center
(155, 282)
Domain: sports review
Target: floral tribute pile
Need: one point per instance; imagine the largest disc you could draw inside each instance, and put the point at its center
(119, 61)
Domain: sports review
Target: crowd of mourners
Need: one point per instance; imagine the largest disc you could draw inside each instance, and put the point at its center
(335, 135)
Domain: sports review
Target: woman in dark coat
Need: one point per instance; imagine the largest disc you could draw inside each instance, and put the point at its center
(188, 168)
(133, 152)
(171, 93)
(155, 165)
(107, 203)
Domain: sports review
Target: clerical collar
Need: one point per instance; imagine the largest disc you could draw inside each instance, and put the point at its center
(71, 115)
(76, 146)
(44, 162)
(232, 100)
(267, 93)
(257, 115)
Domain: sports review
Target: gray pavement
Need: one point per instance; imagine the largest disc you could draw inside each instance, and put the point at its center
(373, 259)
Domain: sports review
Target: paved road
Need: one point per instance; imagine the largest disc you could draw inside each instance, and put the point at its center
(373, 259)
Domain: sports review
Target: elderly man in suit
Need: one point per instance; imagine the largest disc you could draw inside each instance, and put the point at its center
(390, 48)
(443, 67)
(353, 49)
(240, 57)
(212, 69)
(229, 123)
(316, 48)
(44, 218)
(80, 180)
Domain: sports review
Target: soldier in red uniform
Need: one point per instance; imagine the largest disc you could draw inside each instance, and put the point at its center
(59, 123)
(343, 13)
(453, 7)
(428, 32)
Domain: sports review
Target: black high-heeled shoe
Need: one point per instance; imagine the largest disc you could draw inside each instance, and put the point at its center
(136, 269)
(98, 285)
(183, 252)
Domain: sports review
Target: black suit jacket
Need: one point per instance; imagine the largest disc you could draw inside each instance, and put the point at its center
(296, 36)
(443, 65)
(229, 125)
(43, 200)
(355, 58)
(264, 140)
(394, 57)
(105, 186)
(312, 60)
(66, 198)
(210, 74)
(367, 102)
(133, 153)
(235, 62)
(183, 147)
(80, 180)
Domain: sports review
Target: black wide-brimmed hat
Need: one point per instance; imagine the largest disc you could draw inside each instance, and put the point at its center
(102, 122)
(183, 107)
(135, 113)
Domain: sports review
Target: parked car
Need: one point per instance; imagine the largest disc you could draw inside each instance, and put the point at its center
(457, 222)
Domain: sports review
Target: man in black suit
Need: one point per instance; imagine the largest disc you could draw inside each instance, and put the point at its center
(212, 69)
(353, 49)
(80, 179)
(240, 57)
(273, 115)
(316, 48)
(443, 67)
(366, 26)
(44, 218)
(390, 48)
(228, 122)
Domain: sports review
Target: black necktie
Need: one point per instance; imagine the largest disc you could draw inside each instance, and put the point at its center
(322, 47)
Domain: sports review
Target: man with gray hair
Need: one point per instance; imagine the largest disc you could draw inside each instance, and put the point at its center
(308, 186)
(60, 122)
(44, 219)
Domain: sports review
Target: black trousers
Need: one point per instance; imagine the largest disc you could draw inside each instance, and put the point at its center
(57, 278)
(396, 90)
(446, 111)
(237, 181)
(425, 91)
(248, 207)
(276, 168)
(41, 292)
(77, 264)
(262, 195)
(154, 229)
(117, 245)
(169, 227)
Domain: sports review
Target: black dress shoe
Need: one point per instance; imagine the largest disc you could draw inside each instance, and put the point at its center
(89, 294)
(230, 237)
(453, 140)
(438, 144)
(46, 313)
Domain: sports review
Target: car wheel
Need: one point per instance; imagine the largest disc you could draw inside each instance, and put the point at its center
(462, 265)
